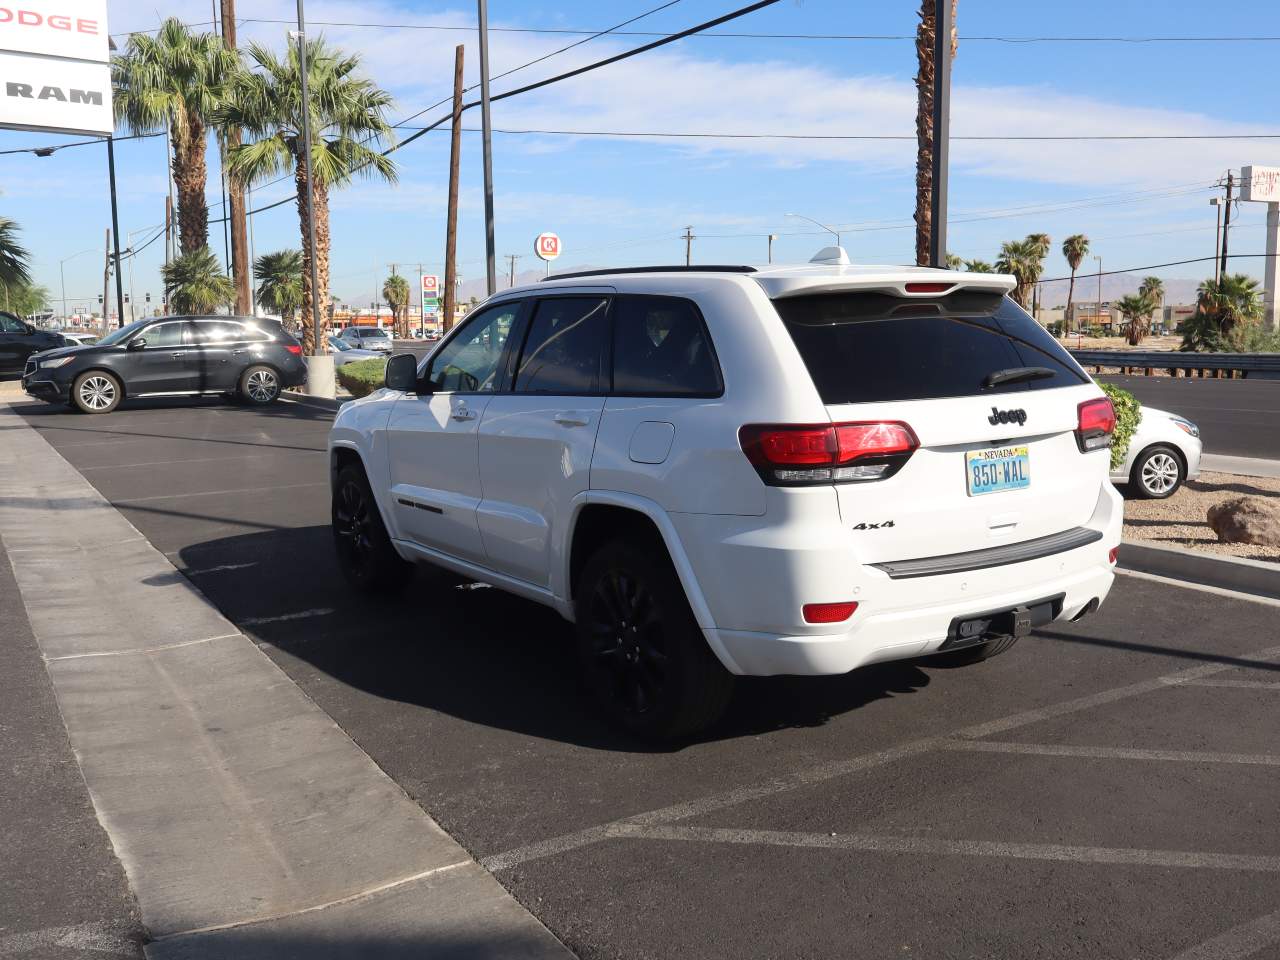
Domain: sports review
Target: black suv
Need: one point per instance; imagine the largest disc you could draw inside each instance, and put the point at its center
(18, 340)
(170, 357)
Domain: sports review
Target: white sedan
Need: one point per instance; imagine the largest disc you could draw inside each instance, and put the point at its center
(1163, 454)
(344, 352)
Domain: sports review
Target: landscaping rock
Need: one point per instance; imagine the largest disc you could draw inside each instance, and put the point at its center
(1247, 520)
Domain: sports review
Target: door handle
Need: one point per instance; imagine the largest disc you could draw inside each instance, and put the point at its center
(572, 419)
(178, 353)
(462, 413)
(236, 353)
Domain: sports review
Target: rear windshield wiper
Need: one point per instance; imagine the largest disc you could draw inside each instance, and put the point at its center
(1018, 375)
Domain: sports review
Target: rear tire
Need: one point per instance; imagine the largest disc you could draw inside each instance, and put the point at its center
(366, 556)
(96, 391)
(644, 658)
(259, 386)
(1157, 473)
(978, 653)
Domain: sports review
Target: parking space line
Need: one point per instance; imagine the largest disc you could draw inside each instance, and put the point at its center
(827, 771)
(1244, 684)
(218, 493)
(1130, 856)
(300, 615)
(221, 568)
(1109, 753)
(1239, 942)
(134, 650)
(164, 463)
(1202, 587)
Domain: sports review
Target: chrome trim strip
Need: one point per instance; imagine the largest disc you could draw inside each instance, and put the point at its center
(988, 557)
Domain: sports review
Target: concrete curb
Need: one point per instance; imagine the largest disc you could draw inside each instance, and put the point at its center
(1240, 466)
(1178, 563)
(311, 400)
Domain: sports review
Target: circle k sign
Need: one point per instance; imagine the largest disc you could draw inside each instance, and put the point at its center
(547, 246)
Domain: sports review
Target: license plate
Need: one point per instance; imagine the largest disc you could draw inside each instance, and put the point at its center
(1004, 468)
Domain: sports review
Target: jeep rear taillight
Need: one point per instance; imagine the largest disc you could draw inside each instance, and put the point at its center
(804, 454)
(1095, 423)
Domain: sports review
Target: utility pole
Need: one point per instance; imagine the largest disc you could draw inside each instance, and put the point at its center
(1216, 203)
(239, 245)
(1099, 259)
(168, 230)
(941, 131)
(449, 298)
(513, 257)
(1226, 225)
(486, 124)
(688, 238)
(115, 228)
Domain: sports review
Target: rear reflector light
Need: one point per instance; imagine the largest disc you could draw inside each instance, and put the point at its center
(791, 455)
(1095, 422)
(1112, 554)
(928, 287)
(294, 349)
(829, 612)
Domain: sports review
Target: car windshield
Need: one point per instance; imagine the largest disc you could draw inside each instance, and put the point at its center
(123, 334)
(338, 344)
(373, 332)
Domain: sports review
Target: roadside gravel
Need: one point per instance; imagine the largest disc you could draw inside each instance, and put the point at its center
(1181, 520)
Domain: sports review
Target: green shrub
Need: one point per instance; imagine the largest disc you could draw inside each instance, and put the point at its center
(362, 377)
(1128, 413)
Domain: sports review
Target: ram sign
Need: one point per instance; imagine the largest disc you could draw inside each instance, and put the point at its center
(55, 71)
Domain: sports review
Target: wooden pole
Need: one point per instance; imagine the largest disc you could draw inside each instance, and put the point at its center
(448, 304)
(239, 233)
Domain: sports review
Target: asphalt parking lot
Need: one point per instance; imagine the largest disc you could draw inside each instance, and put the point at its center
(1107, 789)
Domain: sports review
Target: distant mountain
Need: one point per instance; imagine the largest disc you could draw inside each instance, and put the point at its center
(1114, 286)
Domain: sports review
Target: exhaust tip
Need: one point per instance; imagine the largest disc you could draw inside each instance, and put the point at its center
(1087, 609)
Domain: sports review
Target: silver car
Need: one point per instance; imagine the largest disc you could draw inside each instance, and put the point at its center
(368, 338)
(344, 352)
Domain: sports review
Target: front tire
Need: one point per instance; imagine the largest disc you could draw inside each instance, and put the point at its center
(96, 391)
(644, 658)
(259, 386)
(366, 556)
(1157, 473)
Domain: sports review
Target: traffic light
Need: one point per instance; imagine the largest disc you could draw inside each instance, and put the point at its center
(99, 298)
(148, 298)
(126, 298)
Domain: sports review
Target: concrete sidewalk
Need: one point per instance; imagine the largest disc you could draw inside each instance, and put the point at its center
(248, 823)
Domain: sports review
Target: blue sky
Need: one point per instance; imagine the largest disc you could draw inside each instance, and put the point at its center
(626, 200)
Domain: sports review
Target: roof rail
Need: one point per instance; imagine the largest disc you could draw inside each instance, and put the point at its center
(710, 268)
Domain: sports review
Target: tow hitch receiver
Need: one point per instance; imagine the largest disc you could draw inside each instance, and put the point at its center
(972, 629)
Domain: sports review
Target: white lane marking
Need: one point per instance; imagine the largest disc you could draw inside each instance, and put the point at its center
(164, 463)
(827, 771)
(1110, 753)
(218, 493)
(1239, 942)
(300, 615)
(133, 650)
(974, 848)
(221, 568)
(351, 898)
(1244, 684)
(1202, 587)
(84, 937)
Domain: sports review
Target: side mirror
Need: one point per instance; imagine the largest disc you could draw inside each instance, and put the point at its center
(137, 343)
(402, 373)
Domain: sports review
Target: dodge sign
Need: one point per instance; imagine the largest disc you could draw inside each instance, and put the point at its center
(55, 71)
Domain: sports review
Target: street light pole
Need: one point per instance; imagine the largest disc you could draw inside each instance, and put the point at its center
(115, 230)
(831, 230)
(63, 277)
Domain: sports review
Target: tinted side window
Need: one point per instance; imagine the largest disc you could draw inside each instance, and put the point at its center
(11, 324)
(225, 331)
(661, 349)
(563, 350)
(165, 335)
(468, 363)
(866, 347)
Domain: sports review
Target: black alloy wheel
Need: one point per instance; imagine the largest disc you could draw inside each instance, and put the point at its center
(365, 553)
(628, 643)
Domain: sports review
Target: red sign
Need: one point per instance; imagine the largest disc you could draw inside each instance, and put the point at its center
(547, 246)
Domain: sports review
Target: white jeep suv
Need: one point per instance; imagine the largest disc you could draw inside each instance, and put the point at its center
(720, 471)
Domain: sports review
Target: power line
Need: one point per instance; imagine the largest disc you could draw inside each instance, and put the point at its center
(53, 148)
(872, 136)
(1157, 266)
(724, 35)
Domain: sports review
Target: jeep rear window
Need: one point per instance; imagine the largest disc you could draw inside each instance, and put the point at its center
(870, 347)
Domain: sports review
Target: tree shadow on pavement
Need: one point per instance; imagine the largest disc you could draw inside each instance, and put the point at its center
(466, 650)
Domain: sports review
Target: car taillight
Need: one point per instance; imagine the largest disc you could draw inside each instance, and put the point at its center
(1095, 422)
(294, 349)
(801, 454)
(829, 612)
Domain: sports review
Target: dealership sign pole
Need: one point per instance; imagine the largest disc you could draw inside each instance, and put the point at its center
(1262, 185)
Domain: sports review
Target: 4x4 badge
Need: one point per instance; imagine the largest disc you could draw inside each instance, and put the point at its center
(1018, 416)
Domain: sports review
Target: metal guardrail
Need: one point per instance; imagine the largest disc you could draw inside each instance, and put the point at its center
(1216, 364)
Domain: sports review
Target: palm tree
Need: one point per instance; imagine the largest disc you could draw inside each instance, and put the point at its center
(1075, 248)
(1023, 259)
(979, 266)
(176, 79)
(196, 284)
(925, 34)
(348, 115)
(14, 259)
(954, 261)
(396, 292)
(1153, 289)
(1224, 308)
(280, 282)
(1041, 241)
(1136, 310)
